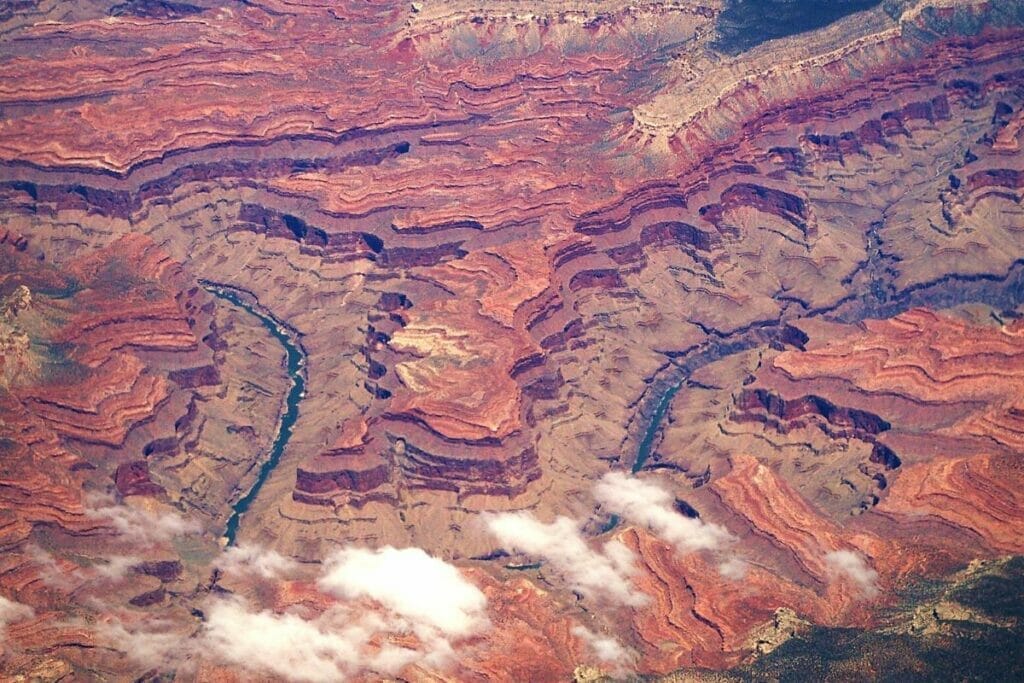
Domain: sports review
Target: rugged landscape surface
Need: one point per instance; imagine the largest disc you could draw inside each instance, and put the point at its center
(673, 349)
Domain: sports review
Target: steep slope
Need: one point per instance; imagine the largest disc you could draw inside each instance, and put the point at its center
(521, 245)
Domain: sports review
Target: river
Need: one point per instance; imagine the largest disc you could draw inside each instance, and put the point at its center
(296, 373)
(1002, 292)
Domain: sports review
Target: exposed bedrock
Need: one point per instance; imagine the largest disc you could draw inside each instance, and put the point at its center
(838, 416)
(520, 246)
(132, 479)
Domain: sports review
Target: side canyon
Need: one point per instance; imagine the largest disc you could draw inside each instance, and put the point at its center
(536, 290)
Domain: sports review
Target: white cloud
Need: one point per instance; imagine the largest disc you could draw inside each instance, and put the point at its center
(396, 608)
(411, 583)
(325, 648)
(606, 649)
(50, 572)
(343, 642)
(599, 575)
(733, 568)
(853, 565)
(606, 574)
(330, 647)
(256, 561)
(645, 503)
(153, 646)
(402, 607)
(11, 612)
(66, 576)
(114, 568)
(139, 525)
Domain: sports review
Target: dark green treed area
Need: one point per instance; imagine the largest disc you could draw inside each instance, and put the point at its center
(987, 644)
(744, 24)
(999, 595)
(968, 627)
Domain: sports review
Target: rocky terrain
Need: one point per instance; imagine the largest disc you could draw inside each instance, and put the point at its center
(650, 344)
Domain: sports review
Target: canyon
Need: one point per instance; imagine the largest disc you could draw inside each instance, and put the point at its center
(734, 314)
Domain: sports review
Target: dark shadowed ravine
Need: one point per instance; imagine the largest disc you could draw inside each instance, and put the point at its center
(296, 373)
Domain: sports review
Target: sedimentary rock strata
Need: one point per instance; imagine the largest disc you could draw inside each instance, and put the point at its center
(518, 246)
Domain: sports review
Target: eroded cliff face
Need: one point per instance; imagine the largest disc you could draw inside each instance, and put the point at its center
(521, 246)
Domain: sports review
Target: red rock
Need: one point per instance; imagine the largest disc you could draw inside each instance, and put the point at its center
(190, 378)
(132, 479)
(498, 234)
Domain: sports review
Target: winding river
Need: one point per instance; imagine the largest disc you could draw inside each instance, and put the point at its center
(296, 373)
(1004, 292)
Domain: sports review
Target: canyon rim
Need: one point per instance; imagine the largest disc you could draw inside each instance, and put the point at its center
(511, 341)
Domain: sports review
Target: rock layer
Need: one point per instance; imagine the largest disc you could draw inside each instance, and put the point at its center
(511, 237)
